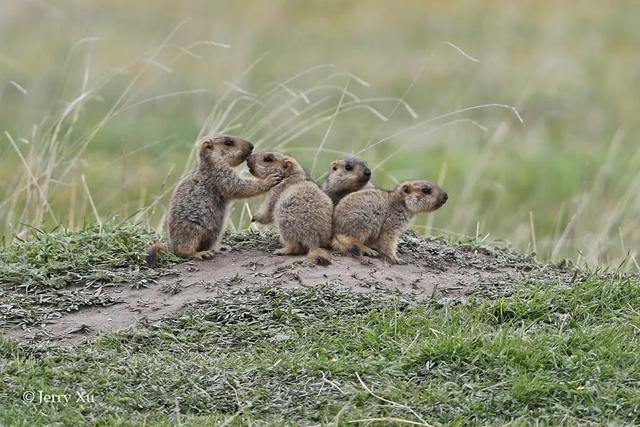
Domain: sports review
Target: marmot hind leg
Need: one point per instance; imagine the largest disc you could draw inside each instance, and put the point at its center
(202, 255)
(290, 248)
(189, 240)
(350, 246)
(388, 246)
(319, 256)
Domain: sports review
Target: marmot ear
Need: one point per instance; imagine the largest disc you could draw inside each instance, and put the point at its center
(334, 165)
(406, 188)
(207, 144)
(287, 164)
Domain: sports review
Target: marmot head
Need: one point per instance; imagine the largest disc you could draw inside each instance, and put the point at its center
(422, 196)
(232, 149)
(262, 165)
(348, 175)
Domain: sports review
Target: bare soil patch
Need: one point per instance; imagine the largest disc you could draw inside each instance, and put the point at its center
(433, 270)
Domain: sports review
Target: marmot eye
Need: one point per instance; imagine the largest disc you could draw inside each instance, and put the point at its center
(228, 142)
(426, 190)
(348, 167)
(268, 159)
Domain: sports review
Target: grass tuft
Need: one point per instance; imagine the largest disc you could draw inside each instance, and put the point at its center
(40, 276)
(96, 255)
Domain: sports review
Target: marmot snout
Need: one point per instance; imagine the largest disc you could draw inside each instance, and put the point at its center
(232, 149)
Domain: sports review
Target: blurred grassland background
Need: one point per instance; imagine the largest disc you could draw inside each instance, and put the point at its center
(102, 102)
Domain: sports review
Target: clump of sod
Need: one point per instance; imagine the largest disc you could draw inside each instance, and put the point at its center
(97, 254)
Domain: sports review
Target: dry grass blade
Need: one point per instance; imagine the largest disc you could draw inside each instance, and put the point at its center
(44, 199)
(387, 419)
(440, 117)
(392, 403)
(91, 202)
(428, 133)
(326, 134)
(159, 97)
(86, 140)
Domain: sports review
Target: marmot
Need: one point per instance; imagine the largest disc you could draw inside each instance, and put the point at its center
(370, 221)
(345, 177)
(198, 207)
(299, 208)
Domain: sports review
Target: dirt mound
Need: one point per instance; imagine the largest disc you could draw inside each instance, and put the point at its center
(433, 270)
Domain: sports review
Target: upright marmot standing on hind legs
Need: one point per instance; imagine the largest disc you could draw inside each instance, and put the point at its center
(370, 221)
(345, 177)
(300, 209)
(199, 204)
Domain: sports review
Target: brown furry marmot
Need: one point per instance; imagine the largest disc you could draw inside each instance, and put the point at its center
(370, 221)
(199, 204)
(299, 208)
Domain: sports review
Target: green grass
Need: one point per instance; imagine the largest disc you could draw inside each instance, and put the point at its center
(550, 348)
(58, 258)
(547, 354)
(94, 129)
(36, 274)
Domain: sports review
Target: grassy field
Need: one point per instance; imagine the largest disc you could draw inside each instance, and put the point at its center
(102, 104)
(525, 112)
(567, 357)
(547, 349)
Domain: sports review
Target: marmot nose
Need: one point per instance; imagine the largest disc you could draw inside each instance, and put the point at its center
(250, 146)
(445, 197)
(367, 172)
